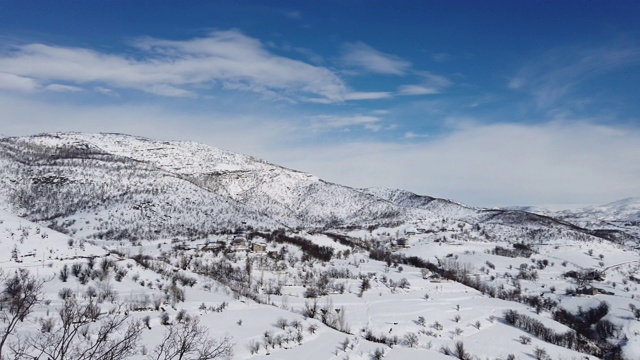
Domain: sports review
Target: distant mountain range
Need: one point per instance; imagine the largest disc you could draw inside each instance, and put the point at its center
(114, 186)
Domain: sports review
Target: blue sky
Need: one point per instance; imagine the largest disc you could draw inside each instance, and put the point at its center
(486, 102)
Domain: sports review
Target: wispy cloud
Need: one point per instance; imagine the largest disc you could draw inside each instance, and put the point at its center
(178, 68)
(559, 72)
(359, 95)
(293, 14)
(550, 163)
(416, 90)
(430, 84)
(362, 56)
(341, 122)
(412, 135)
(313, 56)
(441, 57)
(105, 91)
(63, 88)
(15, 82)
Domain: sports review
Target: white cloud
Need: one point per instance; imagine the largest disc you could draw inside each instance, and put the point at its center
(63, 88)
(412, 135)
(168, 90)
(555, 74)
(308, 53)
(434, 80)
(180, 68)
(363, 56)
(489, 165)
(17, 83)
(105, 91)
(416, 90)
(330, 121)
(431, 84)
(367, 95)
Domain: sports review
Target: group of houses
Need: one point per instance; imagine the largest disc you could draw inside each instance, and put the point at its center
(408, 234)
(240, 242)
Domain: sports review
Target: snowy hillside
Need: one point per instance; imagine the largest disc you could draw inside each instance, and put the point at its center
(120, 186)
(627, 210)
(117, 170)
(295, 198)
(622, 216)
(31, 245)
(156, 241)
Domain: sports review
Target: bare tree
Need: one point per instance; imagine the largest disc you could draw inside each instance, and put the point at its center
(21, 293)
(341, 320)
(460, 352)
(540, 353)
(116, 337)
(411, 339)
(190, 340)
(282, 323)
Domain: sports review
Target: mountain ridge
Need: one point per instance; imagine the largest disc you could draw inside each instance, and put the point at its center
(184, 188)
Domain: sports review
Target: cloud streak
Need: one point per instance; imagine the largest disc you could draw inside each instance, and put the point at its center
(416, 90)
(362, 56)
(19, 83)
(342, 122)
(431, 84)
(556, 74)
(187, 68)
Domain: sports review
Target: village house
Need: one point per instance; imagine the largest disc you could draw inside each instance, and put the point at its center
(258, 247)
(402, 242)
(239, 242)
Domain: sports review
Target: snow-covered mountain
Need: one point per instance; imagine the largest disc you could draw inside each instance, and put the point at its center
(627, 210)
(618, 216)
(61, 176)
(119, 186)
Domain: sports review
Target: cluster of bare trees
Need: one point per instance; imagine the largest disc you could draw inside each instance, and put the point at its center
(570, 339)
(20, 294)
(458, 351)
(83, 330)
(188, 339)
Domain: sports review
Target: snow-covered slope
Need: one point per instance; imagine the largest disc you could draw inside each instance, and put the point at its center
(65, 175)
(433, 207)
(145, 225)
(114, 186)
(622, 210)
(293, 197)
(24, 243)
(75, 185)
(622, 216)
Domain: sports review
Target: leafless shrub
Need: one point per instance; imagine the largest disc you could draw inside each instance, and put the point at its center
(188, 340)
